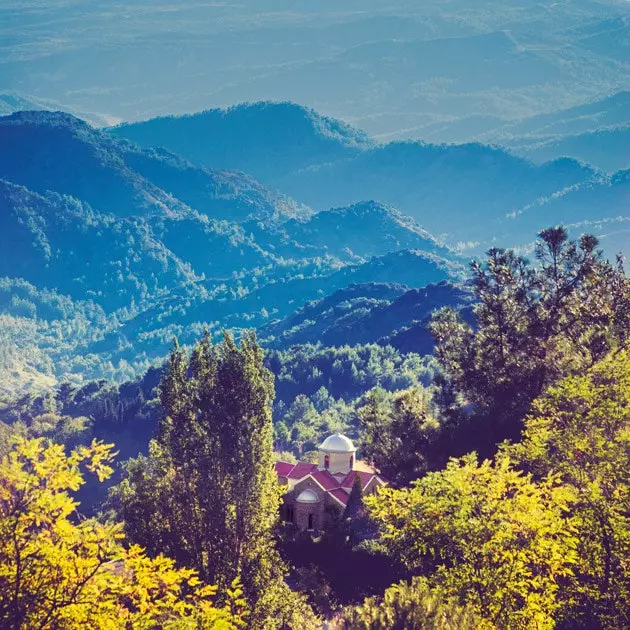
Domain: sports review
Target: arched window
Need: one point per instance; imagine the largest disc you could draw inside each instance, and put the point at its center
(351, 462)
(326, 462)
(290, 514)
(310, 522)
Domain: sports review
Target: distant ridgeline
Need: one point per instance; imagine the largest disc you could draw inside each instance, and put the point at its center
(467, 192)
(114, 242)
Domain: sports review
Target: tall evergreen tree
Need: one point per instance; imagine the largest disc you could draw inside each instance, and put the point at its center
(535, 324)
(354, 507)
(208, 492)
(358, 526)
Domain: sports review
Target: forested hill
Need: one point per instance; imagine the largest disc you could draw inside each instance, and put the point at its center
(264, 139)
(364, 313)
(141, 245)
(468, 192)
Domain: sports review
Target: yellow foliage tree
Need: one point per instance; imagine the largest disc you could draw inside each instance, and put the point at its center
(404, 606)
(59, 571)
(486, 534)
(580, 431)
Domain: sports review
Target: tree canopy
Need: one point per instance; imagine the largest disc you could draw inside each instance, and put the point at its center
(580, 432)
(398, 431)
(58, 571)
(534, 325)
(207, 494)
(487, 534)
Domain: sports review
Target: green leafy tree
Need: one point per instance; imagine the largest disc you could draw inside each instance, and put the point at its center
(208, 492)
(412, 606)
(285, 456)
(281, 434)
(486, 534)
(397, 433)
(535, 324)
(310, 457)
(580, 431)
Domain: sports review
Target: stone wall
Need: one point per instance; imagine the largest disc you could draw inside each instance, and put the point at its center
(301, 511)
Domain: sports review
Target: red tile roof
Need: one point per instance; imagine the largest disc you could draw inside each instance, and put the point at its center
(301, 469)
(325, 479)
(340, 495)
(349, 480)
(283, 469)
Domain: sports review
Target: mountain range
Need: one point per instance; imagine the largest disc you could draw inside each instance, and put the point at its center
(266, 215)
(401, 70)
(141, 244)
(469, 194)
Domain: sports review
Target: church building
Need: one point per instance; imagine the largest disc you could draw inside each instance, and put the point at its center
(315, 490)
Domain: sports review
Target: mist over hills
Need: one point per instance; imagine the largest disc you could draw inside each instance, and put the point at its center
(395, 69)
(442, 72)
(607, 147)
(608, 112)
(424, 181)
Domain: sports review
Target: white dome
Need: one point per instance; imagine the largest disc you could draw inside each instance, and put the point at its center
(337, 443)
(307, 496)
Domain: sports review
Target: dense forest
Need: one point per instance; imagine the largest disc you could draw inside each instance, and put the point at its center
(314, 315)
(503, 432)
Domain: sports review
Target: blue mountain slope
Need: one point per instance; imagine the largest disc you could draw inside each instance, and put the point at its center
(56, 151)
(364, 229)
(57, 242)
(462, 191)
(365, 313)
(164, 247)
(263, 139)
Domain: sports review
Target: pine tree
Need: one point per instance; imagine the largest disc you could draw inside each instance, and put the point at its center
(411, 606)
(534, 325)
(357, 525)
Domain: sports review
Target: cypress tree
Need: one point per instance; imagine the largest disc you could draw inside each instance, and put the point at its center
(354, 507)
(211, 478)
